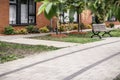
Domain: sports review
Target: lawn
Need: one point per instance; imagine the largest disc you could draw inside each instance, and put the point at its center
(75, 38)
(116, 33)
(9, 51)
(78, 38)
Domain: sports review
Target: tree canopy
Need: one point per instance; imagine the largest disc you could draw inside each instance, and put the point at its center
(101, 8)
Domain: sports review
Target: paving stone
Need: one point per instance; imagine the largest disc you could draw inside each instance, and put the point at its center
(91, 61)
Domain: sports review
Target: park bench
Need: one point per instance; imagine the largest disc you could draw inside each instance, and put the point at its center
(98, 28)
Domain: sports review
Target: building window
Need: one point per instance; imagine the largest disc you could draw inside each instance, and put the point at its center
(64, 17)
(113, 18)
(22, 12)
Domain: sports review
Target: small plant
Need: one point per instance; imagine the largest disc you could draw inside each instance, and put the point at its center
(30, 28)
(35, 30)
(75, 27)
(111, 25)
(9, 30)
(87, 26)
(82, 26)
(6, 57)
(61, 28)
(44, 30)
(21, 31)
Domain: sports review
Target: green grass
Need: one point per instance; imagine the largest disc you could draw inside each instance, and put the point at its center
(9, 51)
(75, 38)
(116, 33)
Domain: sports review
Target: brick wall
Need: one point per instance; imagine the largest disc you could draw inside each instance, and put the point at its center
(86, 17)
(116, 22)
(40, 19)
(4, 14)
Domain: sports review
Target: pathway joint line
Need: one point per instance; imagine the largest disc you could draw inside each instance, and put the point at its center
(89, 67)
(16, 70)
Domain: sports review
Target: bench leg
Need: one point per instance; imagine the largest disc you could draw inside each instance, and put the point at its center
(96, 34)
(107, 33)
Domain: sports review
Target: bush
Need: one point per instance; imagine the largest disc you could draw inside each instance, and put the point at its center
(50, 28)
(22, 31)
(75, 26)
(9, 30)
(44, 30)
(111, 25)
(61, 28)
(82, 26)
(35, 30)
(32, 29)
(7, 57)
(87, 26)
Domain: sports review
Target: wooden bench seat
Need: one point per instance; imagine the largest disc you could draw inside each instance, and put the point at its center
(98, 28)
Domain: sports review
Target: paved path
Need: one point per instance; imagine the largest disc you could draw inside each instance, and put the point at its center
(23, 39)
(40, 42)
(92, 61)
(22, 36)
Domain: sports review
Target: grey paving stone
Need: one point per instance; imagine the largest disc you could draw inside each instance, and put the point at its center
(92, 61)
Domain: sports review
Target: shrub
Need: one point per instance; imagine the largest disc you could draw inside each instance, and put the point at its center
(87, 26)
(75, 27)
(9, 30)
(21, 31)
(32, 29)
(61, 28)
(35, 30)
(111, 25)
(50, 27)
(82, 26)
(44, 30)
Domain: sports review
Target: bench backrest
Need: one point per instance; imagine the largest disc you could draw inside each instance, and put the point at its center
(99, 27)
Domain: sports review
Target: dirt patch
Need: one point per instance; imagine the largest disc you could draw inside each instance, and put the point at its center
(58, 35)
(75, 32)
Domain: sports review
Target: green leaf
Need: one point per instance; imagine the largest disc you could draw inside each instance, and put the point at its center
(52, 13)
(72, 12)
(48, 8)
(43, 7)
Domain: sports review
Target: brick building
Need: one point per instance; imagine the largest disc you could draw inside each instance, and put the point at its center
(20, 13)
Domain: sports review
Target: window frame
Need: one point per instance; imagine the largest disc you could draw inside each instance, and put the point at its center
(18, 14)
(63, 16)
(109, 19)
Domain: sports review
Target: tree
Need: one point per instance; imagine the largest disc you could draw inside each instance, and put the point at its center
(77, 6)
(116, 8)
(54, 7)
(103, 9)
(51, 8)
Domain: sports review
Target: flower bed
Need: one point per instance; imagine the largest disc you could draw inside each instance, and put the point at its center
(58, 35)
(75, 32)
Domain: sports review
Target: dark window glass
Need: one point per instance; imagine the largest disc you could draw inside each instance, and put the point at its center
(12, 12)
(32, 11)
(113, 18)
(22, 12)
(64, 17)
